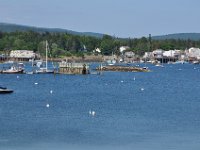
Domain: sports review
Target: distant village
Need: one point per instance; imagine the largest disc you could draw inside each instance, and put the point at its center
(191, 55)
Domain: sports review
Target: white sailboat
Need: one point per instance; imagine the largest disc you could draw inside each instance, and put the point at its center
(159, 64)
(45, 69)
(112, 61)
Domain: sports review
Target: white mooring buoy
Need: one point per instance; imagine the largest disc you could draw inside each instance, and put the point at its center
(47, 105)
(92, 113)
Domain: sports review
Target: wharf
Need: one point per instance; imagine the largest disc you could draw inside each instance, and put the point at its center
(122, 69)
(73, 68)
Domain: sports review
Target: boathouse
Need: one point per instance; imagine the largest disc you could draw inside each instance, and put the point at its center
(22, 55)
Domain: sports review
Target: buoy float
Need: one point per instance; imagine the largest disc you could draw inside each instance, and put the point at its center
(92, 113)
(47, 105)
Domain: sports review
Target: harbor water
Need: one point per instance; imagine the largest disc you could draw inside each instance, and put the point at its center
(112, 111)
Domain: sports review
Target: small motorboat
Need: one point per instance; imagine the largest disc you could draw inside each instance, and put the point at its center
(144, 67)
(4, 90)
(13, 70)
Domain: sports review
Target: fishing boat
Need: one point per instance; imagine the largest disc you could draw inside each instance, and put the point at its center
(4, 90)
(145, 67)
(195, 62)
(13, 70)
(159, 65)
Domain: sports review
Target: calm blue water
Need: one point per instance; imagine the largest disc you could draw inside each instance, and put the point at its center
(165, 115)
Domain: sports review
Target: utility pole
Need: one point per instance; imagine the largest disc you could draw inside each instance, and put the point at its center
(150, 43)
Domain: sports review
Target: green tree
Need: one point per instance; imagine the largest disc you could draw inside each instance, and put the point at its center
(107, 45)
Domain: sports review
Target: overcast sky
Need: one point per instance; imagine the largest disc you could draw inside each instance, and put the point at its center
(122, 18)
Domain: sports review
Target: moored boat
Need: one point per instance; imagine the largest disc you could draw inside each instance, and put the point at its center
(4, 90)
(13, 70)
(195, 62)
(45, 70)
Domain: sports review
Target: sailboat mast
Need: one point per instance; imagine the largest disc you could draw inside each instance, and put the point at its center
(46, 55)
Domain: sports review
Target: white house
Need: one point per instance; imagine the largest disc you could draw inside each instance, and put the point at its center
(148, 55)
(97, 50)
(194, 53)
(172, 53)
(169, 53)
(123, 48)
(158, 53)
(129, 54)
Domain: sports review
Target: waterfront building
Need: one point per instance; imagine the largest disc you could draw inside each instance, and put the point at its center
(148, 55)
(194, 53)
(172, 53)
(22, 55)
(169, 53)
(177, 53)
(129, 54)
(158, 53)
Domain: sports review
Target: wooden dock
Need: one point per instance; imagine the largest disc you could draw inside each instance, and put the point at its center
(3, 58)
(122, 69)
(73, 68)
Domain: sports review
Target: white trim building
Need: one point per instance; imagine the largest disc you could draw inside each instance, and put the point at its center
(24, 54)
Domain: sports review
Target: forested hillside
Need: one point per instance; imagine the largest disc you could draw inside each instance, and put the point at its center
(64, 44)
(182, 36)
(7, 27)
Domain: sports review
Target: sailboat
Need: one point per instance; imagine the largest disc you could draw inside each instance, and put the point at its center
(45, 69)
(159, 65)
(145, 65)
(112, 61)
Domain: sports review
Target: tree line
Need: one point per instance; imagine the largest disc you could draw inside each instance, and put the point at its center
(64, 44)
